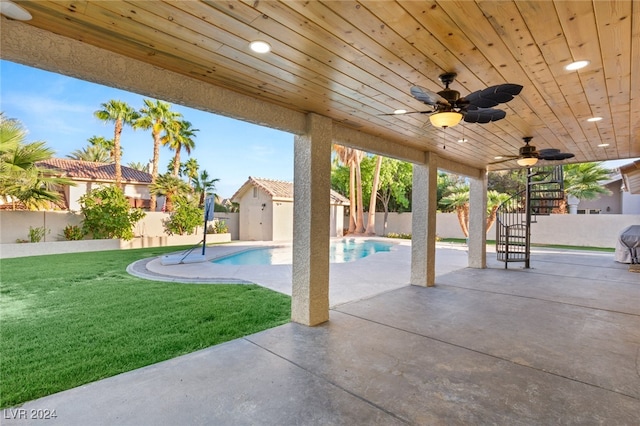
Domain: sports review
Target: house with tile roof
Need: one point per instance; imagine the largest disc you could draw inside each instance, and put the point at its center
(88, 175)
(266, 210)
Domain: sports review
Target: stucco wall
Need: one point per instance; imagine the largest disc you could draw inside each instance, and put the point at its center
(596, 230)
(15, 225)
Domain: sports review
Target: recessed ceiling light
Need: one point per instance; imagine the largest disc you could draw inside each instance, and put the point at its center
(463, 140)
(593, 119)
(498, 157)
(260, 46)
(603, 145)
(576, 65)
(400, 111)
(13, 11)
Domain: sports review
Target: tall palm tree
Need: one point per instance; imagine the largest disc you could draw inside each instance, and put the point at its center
(357, 157)
(203, 186)
(352, 157)
(121, 114)
(158, 117)
(179, 136)
(93, 153)
(20, 177)
(371, 222)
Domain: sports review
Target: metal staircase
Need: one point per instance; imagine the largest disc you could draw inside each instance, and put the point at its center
(544, 192)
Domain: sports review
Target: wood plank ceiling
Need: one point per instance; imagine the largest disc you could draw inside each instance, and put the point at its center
(355, 61)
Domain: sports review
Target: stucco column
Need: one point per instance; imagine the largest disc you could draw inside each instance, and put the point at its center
(311, 225)
(477, 221)
(423, 224)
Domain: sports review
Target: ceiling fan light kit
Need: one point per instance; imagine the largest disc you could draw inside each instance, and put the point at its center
(527, 161)
(445, 119)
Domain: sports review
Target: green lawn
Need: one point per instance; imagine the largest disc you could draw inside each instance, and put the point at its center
(75, 318)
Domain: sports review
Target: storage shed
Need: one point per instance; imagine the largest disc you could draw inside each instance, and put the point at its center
(266, 210)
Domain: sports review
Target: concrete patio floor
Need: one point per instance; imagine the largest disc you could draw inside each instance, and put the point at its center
(555, 344)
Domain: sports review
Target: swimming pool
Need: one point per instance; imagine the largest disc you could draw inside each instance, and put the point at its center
(343, 251)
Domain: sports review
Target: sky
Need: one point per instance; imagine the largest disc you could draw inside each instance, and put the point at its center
(59, 110)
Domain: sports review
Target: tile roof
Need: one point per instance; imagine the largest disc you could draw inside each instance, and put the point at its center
(93, 171)
(281, 190)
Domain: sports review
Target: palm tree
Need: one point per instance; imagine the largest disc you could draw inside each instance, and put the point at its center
(352, 157)
(179, 136)
(138, 166)
(371, 222)
(171, 187)
(20, 177)
(584, 180)
(190, 169)
(93, 153)
(203, 186)
(458, 200)
(121, 114)
(357, 159)
(107, 144)
(158, 117)
(343, 155)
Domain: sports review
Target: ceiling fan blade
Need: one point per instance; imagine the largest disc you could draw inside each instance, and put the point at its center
(555, 156)
(427, 96)
(483, 115)
(505, 159)
(494, 95)
(411, 112)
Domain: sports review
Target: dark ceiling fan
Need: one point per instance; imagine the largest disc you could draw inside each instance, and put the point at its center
(449, 108)
(528, 155)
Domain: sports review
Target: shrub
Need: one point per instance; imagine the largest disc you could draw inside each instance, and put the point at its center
(220, 227)
(73, 233)
(37, 234)
(400, 235)
(185, 218)
(107, 214)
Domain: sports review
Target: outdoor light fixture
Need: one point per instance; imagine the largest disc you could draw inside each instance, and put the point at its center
(400, 111)
(13, 11)
(445, 119)
(576, 65)
(527, 161)
(260, 46)
(603, 145)
(594, 119)
(463, 140)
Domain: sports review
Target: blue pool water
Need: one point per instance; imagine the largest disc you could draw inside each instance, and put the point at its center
(340, 252)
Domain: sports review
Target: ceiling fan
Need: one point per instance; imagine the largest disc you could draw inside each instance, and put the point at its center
(449, 108)
(529, 156)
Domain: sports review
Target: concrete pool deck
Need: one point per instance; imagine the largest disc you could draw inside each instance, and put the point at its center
(557, 344)
(371, 275)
